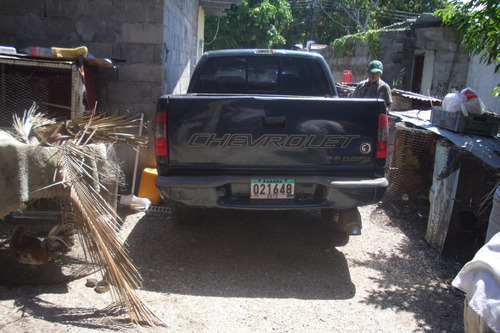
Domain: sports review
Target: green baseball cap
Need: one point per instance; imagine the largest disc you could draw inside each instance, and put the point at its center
(376, 67)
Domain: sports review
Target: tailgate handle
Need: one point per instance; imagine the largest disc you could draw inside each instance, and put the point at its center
(274, 120)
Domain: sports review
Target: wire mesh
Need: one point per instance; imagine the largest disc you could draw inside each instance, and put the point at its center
(21, 85)
(412, 162)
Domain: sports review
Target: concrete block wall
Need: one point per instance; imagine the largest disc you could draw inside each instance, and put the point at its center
(391, 49)
(392, 53)
(156, 38)
(451, 62)
(356, 62)
(478, 71)
(180, 30)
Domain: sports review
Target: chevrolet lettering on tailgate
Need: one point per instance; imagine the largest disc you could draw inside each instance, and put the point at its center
(201, 140)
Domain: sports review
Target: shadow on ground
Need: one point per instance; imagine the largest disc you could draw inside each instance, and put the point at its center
(414, 278)
(242, 254)
(27, 284)
(30, 303)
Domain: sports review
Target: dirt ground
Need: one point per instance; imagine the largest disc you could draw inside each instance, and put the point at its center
(239, 271)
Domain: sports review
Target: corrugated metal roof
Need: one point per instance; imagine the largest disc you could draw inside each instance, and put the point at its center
(217, 7)
(413, 95)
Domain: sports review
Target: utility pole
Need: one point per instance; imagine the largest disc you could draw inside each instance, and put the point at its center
(312, 20)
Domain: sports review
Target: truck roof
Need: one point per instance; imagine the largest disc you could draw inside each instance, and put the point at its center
(250, 52)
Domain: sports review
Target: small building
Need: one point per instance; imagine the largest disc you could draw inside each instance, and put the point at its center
(420, 56)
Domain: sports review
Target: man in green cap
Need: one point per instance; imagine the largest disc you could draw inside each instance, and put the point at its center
(374, 87)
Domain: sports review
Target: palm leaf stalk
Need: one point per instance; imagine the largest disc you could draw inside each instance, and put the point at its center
(98, 224)
(97, 221)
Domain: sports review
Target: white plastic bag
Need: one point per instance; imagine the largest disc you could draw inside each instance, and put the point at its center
(470, 103)
(451, 102)
(134, 202)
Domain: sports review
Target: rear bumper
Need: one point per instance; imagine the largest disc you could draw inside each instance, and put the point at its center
(234, 192)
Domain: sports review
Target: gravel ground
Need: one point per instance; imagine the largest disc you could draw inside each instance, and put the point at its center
(239, 271)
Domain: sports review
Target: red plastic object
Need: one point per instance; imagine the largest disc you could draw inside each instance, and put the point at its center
(347, 76)
(469, 94)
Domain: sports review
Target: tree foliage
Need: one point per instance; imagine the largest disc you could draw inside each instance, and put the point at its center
(252, 24)
(391, 11)
(327, 20)
(280, 23)
(479, 26)
(336, 18)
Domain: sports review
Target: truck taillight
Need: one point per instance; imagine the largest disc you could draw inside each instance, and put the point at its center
(383, 133)
(161, 133)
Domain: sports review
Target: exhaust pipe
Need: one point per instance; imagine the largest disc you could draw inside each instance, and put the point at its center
(351, 220)
(353, 229)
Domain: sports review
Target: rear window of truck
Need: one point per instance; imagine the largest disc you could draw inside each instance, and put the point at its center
(262, 75)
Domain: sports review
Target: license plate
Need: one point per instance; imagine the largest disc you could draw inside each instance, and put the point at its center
(274, 188)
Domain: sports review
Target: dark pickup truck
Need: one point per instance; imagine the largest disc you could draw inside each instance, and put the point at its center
(264, 129)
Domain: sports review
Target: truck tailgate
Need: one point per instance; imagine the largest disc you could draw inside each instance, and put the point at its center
(286, 133)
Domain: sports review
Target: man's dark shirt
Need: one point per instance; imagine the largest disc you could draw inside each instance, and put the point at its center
(379, 89)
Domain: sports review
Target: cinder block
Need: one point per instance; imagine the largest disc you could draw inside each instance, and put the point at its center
(129, 92)
(104, 10)
(450, 33)
(361, 50)
(141, 72)
(138, 53)
(435, 45)
(107, 74)
(16, 7)
(419, 44)
(158, 54)
(102, 50)
(137, 11)
(433, 34)
(444, 58)
(9, 26)
(142, 33)
(420, 33)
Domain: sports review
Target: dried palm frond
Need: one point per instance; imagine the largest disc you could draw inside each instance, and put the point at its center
(98, 128)
(31, 120)
(97, 222)
(108, 128)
